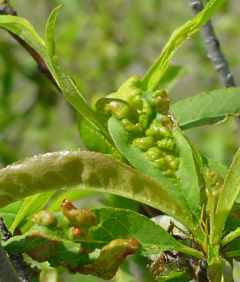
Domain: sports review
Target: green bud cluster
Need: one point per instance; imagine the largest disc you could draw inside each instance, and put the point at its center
(146, 118)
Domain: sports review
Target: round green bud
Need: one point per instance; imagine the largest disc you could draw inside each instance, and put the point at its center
(165, 120)
(144, 143)
(44, 218)
(158, 130)
(136, 102)
(161, 163)
(162, 102)
(172, 162)
(154, 153)
(131, 127)
(118, 109)
(166, 144)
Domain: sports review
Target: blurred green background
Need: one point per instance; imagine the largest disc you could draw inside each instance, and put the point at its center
(101, 43)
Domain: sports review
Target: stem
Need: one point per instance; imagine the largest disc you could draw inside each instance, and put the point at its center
(214, 50)
(231, 236)
(191, 252)
(7, 271)
(18, 264)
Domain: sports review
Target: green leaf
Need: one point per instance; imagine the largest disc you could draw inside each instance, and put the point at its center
(57, 250)
(50, 31)
(9, 212)
(138, 159)
(121, 223)
(93, 139)
(171, 76)
(24, 30)
(216, 166)
(68, 87)
(188, 173)
(205, 108)
(98, 172)
(30, 205)
(227, 197)
(135, 156)
(73, 194)
(157, 70)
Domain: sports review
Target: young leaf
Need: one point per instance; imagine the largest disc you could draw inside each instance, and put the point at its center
(45, 53)
(188, 173)
(9, 212)
(53, 171)
(93, 139)
(57, 250)
(30, 205)
(138, 159)
(74, 194)
(68, 87)
(120, 223)
(205, 108)
(157, 70)
(227, 197)
(24, 30)
(171, 76)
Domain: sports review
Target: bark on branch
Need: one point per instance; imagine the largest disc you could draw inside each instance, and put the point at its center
(214, 50)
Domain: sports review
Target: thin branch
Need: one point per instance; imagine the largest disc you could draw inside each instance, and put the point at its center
(7, 271)
(214, 50)
(19, 266)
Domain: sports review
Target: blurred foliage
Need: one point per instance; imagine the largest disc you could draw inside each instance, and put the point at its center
(101, 44)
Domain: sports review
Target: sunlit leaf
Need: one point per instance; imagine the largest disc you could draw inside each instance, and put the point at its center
(227, 197)
(179, 36)
(53, 171)
(206, 109)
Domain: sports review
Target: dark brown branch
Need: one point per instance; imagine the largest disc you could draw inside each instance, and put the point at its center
(214, 50)
(19, 266)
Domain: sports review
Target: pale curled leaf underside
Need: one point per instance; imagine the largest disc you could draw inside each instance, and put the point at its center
(53, 171)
